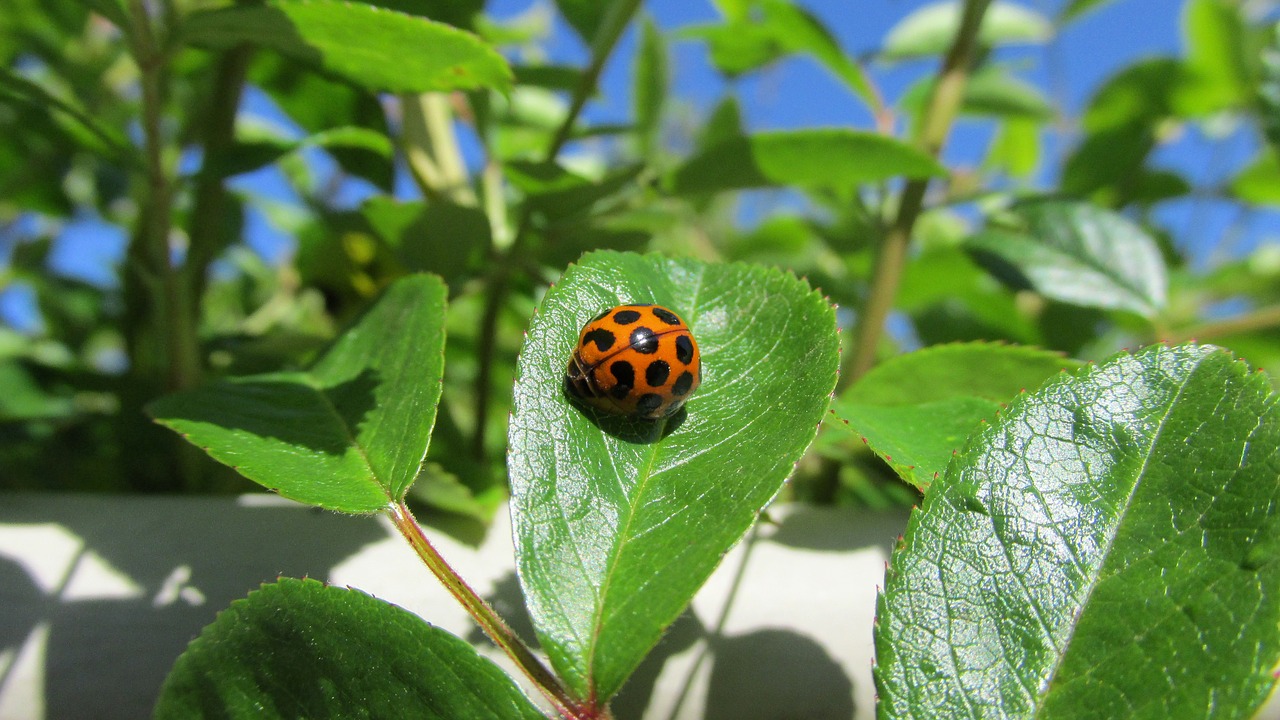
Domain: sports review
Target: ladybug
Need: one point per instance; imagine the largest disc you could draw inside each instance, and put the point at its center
(635, 360)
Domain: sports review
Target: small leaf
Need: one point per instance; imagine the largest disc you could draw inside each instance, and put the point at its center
(915, 409)
(302, 649)
(375, 48)
(349, 434)
(746, 42)
(1217, 55)
(1259, 183)
(825, 157)
(617, 523)
(930, 30)
(1105, 549)
(585, 16)
(1078, 253)
(1077, 8)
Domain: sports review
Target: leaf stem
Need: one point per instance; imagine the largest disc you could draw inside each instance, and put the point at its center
(1258, 319)
(484, 615)
(503, 265)
(939, 116)
(431, 148)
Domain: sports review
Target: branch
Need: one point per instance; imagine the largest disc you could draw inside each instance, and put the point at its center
(939, 116)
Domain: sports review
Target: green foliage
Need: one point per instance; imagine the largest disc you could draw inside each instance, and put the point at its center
(284, 652)
(915, 410)
(440, 171)
(612, 546)
(804, 158)
(376, 49)
(1133, 542)
(347, 434)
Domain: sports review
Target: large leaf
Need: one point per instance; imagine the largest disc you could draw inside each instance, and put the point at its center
(372, 47)
(916, 409)
(930, 29)
(617, 523)
(826, 157)
(348, 434)
(1078, 253)
(301, 649)
(1106, 549)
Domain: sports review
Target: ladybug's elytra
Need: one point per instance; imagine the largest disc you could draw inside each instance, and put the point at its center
(636, 360)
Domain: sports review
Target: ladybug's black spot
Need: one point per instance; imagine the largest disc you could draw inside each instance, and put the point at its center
(601, 337)
(684, 349)
(657, 373)
(683, 384)
(625, 374)
(644, 341)
(648, 403)
(626, 317)
(666, 316)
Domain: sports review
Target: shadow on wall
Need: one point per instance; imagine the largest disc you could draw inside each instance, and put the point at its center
(101, 595)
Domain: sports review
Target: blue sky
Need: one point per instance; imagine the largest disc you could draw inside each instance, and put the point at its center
(799, 93)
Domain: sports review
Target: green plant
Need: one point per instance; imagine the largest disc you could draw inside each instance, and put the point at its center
(1092, 547)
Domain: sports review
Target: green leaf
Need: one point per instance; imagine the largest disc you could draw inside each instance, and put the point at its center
(1268, 95)
(1077, 253)
(825, 157)
(983, 370)
(437, 237)
(585, 16)
(1216, 55)
(349, 434)
(1105, 549)
(915, 409)
(618, 522)
(1076, 8)
(302, 649)
(989, 92)
(649, 86)
(930, 30)
(1259, 183)
(746, 42)
(558, 192)
(1016, 148)
(375, 48)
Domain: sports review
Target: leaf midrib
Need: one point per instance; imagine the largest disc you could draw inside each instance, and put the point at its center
(1096, 574)
(314, 383)
(625, 536)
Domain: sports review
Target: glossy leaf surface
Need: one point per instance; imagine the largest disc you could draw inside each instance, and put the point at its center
(302, 649)
(349, 434)
(618, 522)
(375, 48)
(824, 158)
(1077, 253)
(1111, 533)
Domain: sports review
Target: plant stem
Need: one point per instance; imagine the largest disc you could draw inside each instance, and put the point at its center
(488, 620)
(503, 264)
(207, 230)
(1258, 319)
(939, 115)
(182, 356)
(431, 148)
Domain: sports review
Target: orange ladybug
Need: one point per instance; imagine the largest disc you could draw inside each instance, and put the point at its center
(635, 360)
